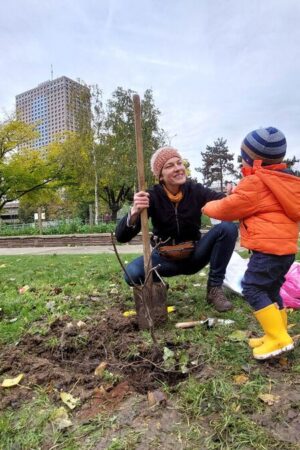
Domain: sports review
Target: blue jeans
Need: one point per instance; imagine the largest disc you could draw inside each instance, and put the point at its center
(215, 247)
(263, 279)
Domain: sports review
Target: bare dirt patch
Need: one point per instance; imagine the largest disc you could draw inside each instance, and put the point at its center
(65, 359)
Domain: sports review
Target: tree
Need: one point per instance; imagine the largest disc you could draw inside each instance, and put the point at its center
(118, 151)
(22, 169)
(89, 123)
(291, 162)
(217, 163)
(105, 142)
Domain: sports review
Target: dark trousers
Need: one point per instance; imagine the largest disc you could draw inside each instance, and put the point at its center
(215, 247)
(263, 279)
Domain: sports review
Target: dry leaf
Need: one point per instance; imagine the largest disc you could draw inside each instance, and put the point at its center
(10, 382)
(156, 397)
(69, 400)
(270, 399)
(2, 266)
(132, 312)
(129, 313)
(238, 336)
(283, 361)
(81, 324)
(100, 369)
(114, 291)
(60, 418)
(24, 289)
(240, 379)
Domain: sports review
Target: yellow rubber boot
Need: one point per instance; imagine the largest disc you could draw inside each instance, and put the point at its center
(276, 339)
(256, 342)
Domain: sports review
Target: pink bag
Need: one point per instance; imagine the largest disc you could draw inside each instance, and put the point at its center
(290, 290)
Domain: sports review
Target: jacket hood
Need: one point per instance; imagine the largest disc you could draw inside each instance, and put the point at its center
(285, 187)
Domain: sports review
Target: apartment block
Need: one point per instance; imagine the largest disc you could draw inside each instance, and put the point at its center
(54, 106)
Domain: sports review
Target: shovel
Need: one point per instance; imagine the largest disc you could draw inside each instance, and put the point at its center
(150, 298)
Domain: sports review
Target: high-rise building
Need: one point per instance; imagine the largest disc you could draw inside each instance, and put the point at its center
(54, 106)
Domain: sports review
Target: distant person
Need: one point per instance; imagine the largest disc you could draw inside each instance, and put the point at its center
(174, 206)
(267, 203)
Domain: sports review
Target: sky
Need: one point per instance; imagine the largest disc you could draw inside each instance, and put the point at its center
(217, 68)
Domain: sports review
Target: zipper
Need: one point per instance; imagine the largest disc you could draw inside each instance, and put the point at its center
(176, 218)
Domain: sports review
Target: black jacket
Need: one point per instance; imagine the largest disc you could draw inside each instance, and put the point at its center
(180, 223)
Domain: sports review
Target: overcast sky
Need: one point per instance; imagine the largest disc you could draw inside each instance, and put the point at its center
(218, 68)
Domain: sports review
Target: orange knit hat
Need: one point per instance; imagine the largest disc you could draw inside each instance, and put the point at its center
(160, 157)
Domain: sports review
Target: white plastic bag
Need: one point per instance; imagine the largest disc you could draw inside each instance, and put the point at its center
(234, 273)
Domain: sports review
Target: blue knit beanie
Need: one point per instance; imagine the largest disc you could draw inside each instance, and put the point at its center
(266, 144)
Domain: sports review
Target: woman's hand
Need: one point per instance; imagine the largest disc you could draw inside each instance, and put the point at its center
(140, 202)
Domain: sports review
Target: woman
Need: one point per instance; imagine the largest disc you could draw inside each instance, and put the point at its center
(174, 206)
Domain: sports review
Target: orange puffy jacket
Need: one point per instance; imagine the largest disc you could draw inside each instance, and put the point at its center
(267, 203)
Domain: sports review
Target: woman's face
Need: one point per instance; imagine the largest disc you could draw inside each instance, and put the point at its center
(173, 173)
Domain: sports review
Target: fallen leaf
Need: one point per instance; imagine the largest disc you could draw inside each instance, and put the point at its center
(13, 320)
(2, 266)
(10, 382)
(197, 285)
(156, 397)
(24, 289)
(240, 379)
(238, 336)
(132, 312)
(50, 305)
(291, 325)
(81, 324)
(283, 361)
(270, 399)
(60, 418)
(129, 313)
(168, 353)
(69, 400)
(100, 369)
(114, 291)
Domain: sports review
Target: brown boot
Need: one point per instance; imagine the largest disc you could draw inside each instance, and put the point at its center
(216, 297)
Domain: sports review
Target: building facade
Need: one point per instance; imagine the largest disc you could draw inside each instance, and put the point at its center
(54, 106)
(9, 214)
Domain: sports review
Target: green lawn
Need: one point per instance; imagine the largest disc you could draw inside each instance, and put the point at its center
(214, 404)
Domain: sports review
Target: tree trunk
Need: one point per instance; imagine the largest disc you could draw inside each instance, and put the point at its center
(114, 212)
(96, 199)
(95, 186)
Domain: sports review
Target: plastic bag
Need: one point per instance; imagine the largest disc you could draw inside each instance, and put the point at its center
(290, 290)
(234, 272)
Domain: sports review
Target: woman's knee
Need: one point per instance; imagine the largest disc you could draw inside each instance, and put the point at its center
(134, 273)
(229, 228)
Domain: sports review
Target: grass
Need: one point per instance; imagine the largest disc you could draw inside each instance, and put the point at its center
(214, 410)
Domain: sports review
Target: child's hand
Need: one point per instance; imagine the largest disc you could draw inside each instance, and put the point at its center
(230, 188)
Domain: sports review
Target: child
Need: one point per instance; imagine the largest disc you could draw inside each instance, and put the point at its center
(267, 203)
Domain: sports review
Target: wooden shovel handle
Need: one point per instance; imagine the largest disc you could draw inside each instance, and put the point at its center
(191, 324)
(141, 180)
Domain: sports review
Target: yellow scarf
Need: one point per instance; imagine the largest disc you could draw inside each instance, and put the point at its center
(174, 198)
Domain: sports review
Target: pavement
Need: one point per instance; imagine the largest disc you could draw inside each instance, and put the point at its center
(79, 250)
